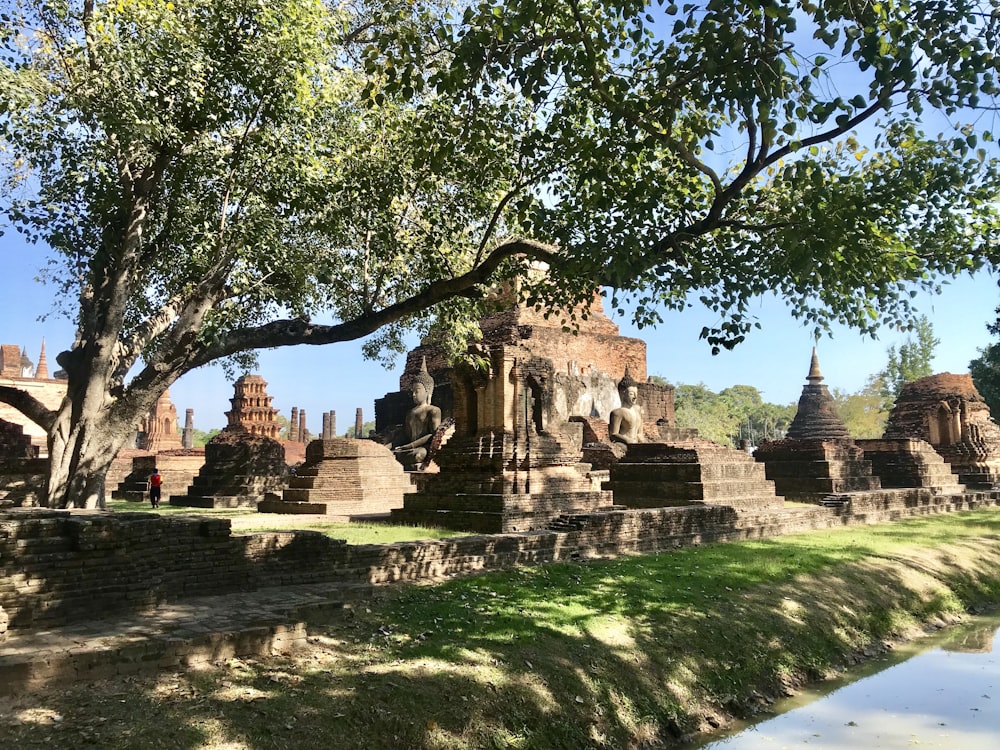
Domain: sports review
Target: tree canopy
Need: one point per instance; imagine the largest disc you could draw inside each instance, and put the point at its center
(985, 371)
(219, 176)
(732, 415)
(722, 149)
(910, 361)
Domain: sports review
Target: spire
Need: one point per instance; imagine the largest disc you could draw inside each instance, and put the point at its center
(817, 417)
(815, 377)
(42, 371)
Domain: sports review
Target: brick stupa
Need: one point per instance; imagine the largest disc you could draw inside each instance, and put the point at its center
(947, 411)
(159, 427)
(244, 462)
(693, 472)
(343, 479)
(817, 458)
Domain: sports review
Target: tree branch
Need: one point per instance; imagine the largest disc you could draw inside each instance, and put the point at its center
(28, 405)
(292, 332)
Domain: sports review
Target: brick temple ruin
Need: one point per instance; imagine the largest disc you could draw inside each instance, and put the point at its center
(525, 441)
(531, 441)
(158, 444)
(18, 371)
(245, 461)
(946, 411)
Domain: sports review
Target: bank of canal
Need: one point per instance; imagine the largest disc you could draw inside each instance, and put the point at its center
(938, 692)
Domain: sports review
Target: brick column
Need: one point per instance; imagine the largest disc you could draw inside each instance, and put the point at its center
(187, 438)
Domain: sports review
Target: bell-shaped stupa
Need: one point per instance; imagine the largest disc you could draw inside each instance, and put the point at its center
(817, 458)
(817, 417)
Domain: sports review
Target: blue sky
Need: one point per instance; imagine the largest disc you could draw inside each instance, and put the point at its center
(337, 377)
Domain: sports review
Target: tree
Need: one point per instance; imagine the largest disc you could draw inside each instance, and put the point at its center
(698, 407)
(213, 175)
(864, 413)
(209, 178)
(912, 360)
(985, 370)
(722, 149)
(201, 437)
(734, 414)
(366, 428)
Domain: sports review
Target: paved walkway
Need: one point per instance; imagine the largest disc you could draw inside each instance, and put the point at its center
(173, 635)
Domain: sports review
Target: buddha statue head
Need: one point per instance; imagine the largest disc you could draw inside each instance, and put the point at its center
(422, 387)
(628, 389)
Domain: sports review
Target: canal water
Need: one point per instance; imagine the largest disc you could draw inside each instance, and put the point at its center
(940, 692)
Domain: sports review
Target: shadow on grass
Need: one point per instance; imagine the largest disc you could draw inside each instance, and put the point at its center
(634, 652)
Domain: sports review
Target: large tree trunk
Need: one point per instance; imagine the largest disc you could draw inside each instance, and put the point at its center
(83, 442)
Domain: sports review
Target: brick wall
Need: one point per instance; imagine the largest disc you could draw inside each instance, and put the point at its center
(58, 567)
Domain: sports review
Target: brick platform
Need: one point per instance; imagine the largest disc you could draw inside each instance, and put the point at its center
(343, 479)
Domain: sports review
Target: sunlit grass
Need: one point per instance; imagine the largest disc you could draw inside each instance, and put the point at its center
(367, 533)
(165, 509)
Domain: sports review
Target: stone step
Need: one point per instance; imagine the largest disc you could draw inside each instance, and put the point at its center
(507, 502)
(690, 472)
(673, 490)
(792, 486)
(213, 501)
(763, 501)
(838, 469)
(188, 633)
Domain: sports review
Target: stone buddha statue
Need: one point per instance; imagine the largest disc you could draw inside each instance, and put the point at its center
(625, 423)
(421, 422)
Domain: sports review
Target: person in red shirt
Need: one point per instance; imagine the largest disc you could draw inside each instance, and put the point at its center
(155, 483)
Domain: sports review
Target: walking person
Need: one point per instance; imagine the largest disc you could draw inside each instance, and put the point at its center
(155, 483)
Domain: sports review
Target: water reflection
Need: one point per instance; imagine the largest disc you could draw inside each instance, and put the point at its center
(946, 696)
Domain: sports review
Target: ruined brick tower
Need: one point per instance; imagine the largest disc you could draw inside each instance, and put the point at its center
(947, 411)
(252, 411)
(159, 427)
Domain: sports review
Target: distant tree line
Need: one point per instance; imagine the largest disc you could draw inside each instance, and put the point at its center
(740, 413)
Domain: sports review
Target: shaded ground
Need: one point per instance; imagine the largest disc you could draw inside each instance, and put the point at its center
(635, 652)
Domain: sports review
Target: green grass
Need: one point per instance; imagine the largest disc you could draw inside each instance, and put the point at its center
(253, 522)
(632, 652)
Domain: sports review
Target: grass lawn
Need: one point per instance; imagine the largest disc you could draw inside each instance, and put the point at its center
(250, 521)
(628, 653)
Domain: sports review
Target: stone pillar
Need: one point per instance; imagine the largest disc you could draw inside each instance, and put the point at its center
(333, 423)
(326, 425)
(358, 423)
(303, 432)
(187, 438)
(293, 426)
